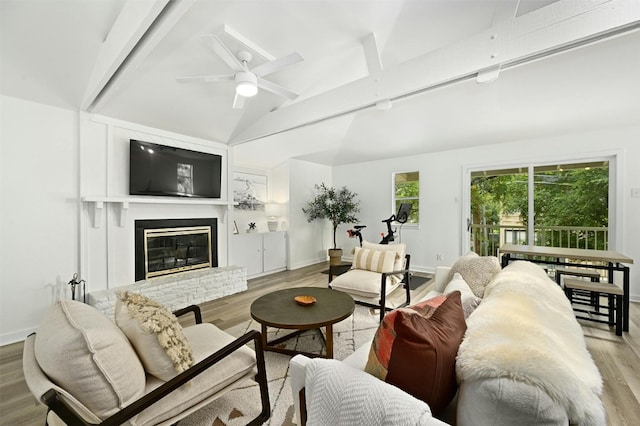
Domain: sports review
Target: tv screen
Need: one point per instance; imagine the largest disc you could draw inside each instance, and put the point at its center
(165, 170)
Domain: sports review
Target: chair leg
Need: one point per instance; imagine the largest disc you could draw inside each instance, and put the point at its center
(407, 289)
(261, 378)
(383, 296)
(612, 302)
(619, 309)
(383, 308)
(569, 293)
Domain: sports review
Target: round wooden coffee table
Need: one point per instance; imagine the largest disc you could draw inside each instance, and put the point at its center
(279, 309)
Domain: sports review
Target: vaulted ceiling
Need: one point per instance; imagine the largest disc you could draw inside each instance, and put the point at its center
(552, 67)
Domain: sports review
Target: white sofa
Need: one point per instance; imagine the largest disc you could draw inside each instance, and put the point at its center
(523, 359)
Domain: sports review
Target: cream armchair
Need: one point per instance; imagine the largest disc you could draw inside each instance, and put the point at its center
(377, 270)
(85, 370)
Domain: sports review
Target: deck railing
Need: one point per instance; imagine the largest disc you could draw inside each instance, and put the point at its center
(487, 239)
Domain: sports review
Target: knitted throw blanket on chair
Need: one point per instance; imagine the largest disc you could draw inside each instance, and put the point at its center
(525, 330)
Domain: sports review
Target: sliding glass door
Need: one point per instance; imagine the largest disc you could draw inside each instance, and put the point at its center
(571, 205)
(556, 205)
(497, 199)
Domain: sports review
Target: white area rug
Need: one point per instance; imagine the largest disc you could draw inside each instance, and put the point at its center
(241, 405)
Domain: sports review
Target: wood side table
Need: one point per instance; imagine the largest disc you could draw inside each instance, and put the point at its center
(280, 310)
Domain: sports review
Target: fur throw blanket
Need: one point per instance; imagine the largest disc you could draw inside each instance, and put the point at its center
(525, 330)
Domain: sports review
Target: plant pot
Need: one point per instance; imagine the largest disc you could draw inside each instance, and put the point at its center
(335, 256)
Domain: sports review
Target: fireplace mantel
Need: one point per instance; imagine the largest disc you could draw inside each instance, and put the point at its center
(96, 205)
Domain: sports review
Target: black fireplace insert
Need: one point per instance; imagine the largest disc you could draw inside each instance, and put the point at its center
(169, 246)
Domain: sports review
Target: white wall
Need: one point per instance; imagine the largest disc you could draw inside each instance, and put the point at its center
(373, 181)
(38, 214)
(441, 184)
(308, 242)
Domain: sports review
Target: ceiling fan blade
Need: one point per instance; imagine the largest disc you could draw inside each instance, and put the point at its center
(204, 78)
(224, 53)
(238, 102)
(277, 64)
(276, 88)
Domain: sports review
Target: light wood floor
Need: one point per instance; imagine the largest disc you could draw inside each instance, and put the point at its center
(618, 358)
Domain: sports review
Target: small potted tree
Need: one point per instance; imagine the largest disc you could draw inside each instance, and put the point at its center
(337, 205)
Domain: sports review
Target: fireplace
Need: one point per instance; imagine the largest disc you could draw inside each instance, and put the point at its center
(169, 246)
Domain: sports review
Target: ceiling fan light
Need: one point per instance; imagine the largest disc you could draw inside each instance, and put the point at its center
(247, 84)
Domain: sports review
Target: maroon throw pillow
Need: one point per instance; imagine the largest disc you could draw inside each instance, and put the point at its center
(417, 353)
(380, 351)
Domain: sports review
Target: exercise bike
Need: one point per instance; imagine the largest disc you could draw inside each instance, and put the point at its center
(401, 217)
(356, 232)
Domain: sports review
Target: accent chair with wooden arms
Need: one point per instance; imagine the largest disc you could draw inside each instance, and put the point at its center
(377, 270)
(87, 370)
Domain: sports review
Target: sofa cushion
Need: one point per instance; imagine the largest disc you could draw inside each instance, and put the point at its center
(361, 283)
(155, 333)
(337, 394)
(507, 402)
(85, 353)
(374, 260)
(469, 300)
(205, 339)
(427, 307)
(476, 270)
(415, 350)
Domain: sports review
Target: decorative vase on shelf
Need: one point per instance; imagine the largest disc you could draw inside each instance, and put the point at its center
(273, 211)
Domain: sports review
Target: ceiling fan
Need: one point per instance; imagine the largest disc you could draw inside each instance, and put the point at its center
(247, 80)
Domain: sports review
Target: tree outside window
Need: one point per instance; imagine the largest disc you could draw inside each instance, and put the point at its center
(407, 190)
(570, 206)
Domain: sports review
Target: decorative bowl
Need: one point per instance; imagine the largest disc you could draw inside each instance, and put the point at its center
(305, 300)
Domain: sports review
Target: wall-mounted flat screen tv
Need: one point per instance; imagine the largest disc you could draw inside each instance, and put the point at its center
(169, 171)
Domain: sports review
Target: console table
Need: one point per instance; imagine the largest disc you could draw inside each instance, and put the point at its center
(612, 261)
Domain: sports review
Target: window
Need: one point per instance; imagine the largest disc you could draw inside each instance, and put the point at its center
(407, 190)
(556, 205)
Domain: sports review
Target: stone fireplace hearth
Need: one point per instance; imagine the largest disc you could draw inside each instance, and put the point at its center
(176, 291)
